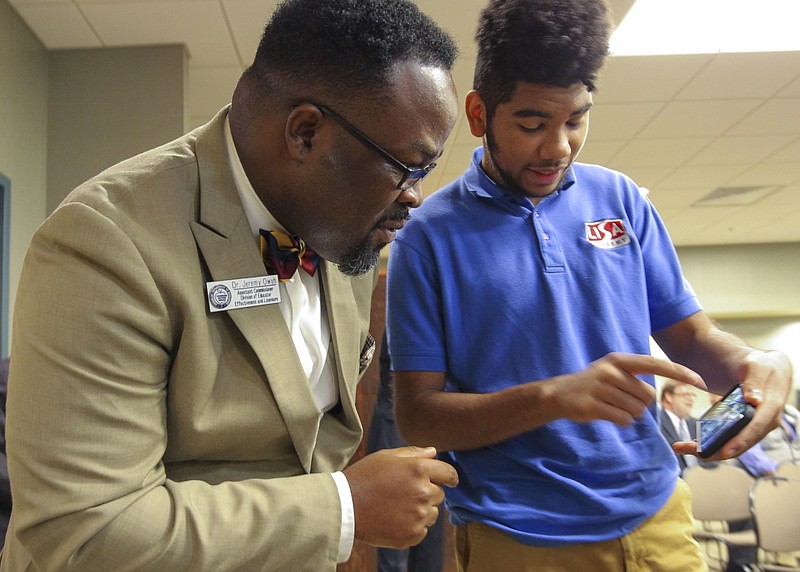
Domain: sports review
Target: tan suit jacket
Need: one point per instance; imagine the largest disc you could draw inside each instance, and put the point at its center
(146, 433)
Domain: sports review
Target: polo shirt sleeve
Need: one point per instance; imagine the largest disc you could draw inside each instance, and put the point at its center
(414, 321)
(670, 296)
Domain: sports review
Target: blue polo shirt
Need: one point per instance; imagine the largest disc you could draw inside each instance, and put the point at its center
(495, 292)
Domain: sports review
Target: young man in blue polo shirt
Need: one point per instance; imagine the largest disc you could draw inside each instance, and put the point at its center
(521, 301)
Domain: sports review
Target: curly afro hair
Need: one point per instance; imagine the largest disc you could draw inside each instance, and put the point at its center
(552, 42)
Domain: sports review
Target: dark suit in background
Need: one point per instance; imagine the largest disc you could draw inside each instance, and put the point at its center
(428, 555)
(5, 487)
(671, 434)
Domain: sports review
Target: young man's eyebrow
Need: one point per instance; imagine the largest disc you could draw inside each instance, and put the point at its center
(530, 112)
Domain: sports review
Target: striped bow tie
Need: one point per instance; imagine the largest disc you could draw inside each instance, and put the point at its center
(283, 253)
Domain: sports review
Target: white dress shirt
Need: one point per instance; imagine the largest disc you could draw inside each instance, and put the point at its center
(303, 309)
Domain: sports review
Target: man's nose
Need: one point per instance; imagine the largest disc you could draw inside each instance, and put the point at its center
(412, 196)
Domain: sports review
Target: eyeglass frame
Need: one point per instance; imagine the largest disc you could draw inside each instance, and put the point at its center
(414, 175)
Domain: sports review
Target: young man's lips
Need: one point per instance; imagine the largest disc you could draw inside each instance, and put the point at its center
(545, 176)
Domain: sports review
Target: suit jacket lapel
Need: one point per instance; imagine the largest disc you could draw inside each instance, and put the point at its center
(340, 431)
(229, 250)
(342, 312)
(667, 427)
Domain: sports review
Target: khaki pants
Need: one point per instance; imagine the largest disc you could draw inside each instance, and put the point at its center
(663, 543)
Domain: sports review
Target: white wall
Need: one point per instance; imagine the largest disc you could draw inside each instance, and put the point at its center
(752, 291)
(66, 115)
(108, 104)
(754, 280)
(767, 332)
(23, 133)
(772, 333)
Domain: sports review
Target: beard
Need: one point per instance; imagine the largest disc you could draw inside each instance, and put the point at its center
(360, 260)
(507, 180)
(364, 256)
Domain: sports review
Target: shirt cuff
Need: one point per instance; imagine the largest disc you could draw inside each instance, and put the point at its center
(348, 517)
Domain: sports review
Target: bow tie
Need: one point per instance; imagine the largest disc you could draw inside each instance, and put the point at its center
(283, 253)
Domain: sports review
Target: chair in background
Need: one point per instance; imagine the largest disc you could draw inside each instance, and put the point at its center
(721, 495)
(775, 505)
(789, 469)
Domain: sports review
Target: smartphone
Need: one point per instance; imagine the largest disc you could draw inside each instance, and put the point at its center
(722, 421)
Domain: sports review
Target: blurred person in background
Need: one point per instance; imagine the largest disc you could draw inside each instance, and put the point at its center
(675, 417)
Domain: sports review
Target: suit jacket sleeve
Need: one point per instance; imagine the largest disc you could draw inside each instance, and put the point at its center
(94, 406)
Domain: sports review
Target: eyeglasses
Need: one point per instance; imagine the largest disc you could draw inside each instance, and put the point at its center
(410, 176)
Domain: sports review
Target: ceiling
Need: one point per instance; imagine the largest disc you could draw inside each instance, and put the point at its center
(681, 126)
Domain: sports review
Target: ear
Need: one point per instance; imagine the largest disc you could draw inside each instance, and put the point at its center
(303, 130)
(476, 113)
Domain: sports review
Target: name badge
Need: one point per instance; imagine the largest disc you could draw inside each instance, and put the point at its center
(242, 293)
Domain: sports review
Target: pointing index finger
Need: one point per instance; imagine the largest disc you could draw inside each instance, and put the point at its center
(666, 368)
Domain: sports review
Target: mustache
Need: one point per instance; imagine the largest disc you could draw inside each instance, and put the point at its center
(551, 166)
(397, 215)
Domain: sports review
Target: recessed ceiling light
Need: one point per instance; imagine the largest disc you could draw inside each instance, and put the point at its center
(735, 196)
(662, 27)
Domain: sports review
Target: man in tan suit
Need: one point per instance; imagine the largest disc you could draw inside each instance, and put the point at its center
(174, 407)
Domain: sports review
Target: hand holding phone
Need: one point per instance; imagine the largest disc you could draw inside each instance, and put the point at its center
(722, 421)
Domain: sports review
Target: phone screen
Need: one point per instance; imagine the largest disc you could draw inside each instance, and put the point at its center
(722, 421)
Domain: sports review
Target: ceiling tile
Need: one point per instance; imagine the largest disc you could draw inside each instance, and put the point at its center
(789, 154)
(621, 120)
(698, 118)
(600, 151)
(676, 198)
(639, 78)
(791, 90)
(58, 26)
(766, 174)
(748, 225)
(685, 226)
(199, 24)
(695, 176)
(247, 19)
(648, 177)
(781, 115)
(669, 151)
(20, 2)
(729, 76)
(738, 149)
(667, 213)
(787, 197)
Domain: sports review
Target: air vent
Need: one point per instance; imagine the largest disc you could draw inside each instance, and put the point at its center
(735, 196)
